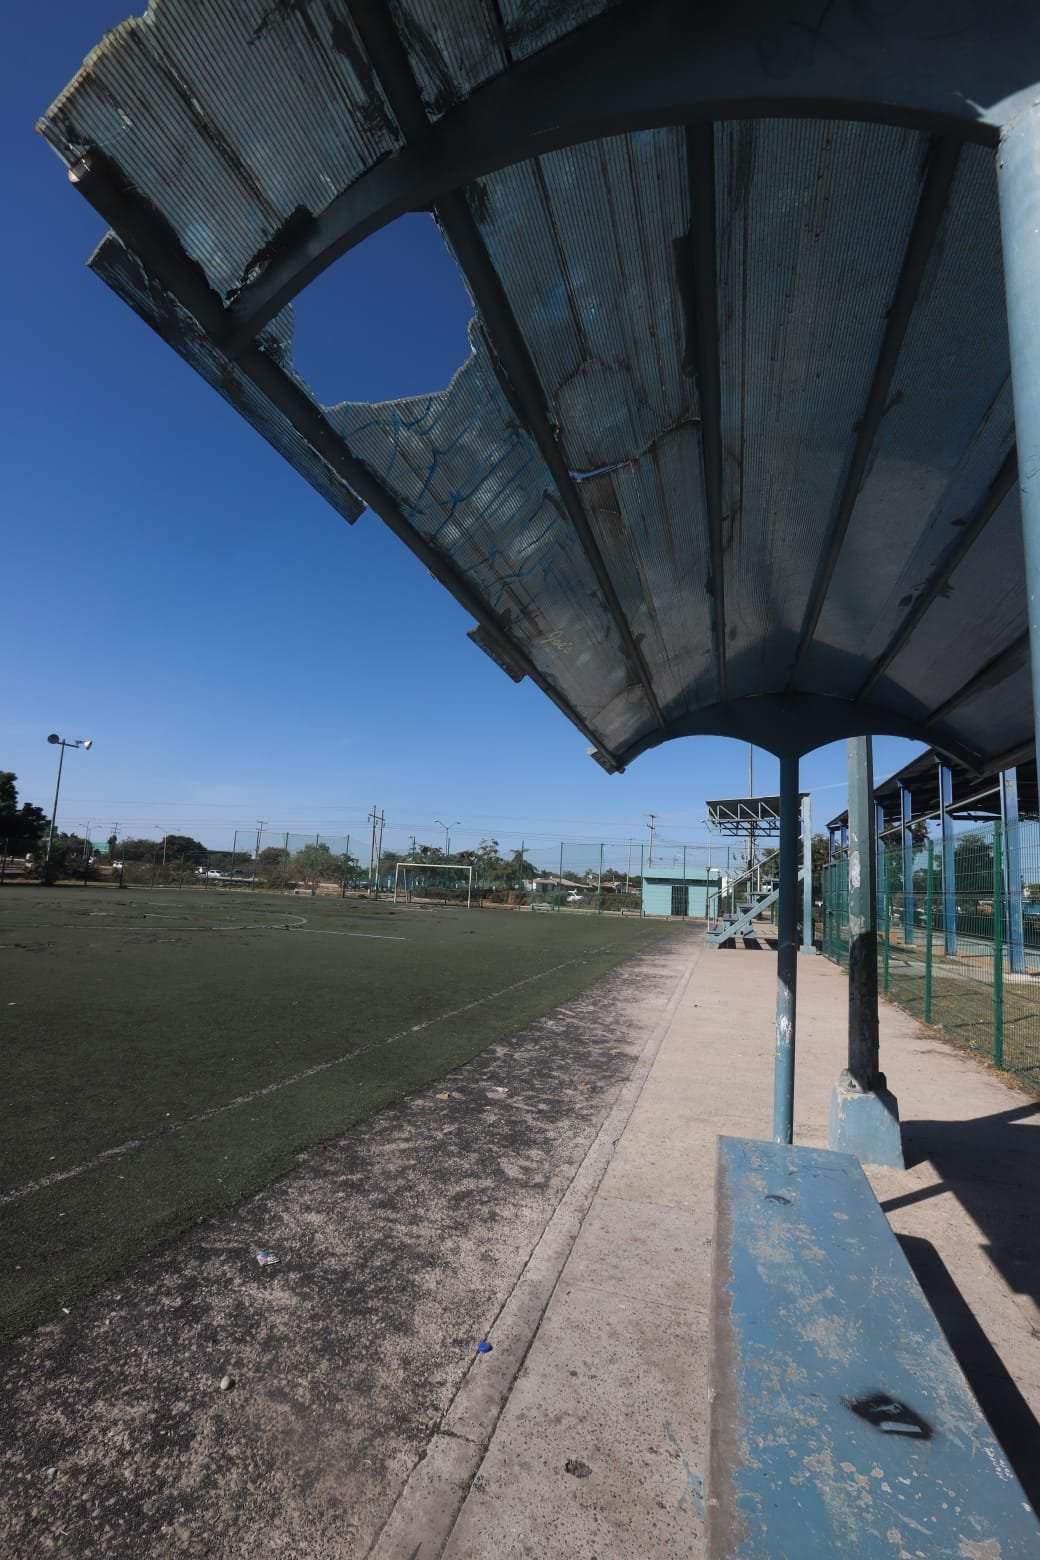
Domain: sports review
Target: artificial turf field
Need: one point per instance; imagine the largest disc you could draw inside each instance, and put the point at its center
(177, 1049)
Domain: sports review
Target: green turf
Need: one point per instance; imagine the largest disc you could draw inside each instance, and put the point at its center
(129, 1015)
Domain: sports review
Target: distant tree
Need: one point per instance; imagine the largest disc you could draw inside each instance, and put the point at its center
(23, 829)
(140, 850)
(181, 847)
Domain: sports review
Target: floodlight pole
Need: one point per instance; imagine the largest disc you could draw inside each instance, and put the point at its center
(62, 743)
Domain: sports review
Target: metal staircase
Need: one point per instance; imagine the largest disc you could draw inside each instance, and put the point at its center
(740, 922)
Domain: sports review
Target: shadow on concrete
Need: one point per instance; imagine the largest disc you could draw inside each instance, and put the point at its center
(992, 1166)
(1010, 1417)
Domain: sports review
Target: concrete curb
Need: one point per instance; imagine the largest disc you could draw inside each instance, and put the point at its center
(424, 1514)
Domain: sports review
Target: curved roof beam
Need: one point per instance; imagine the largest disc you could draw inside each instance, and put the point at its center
(648, 65)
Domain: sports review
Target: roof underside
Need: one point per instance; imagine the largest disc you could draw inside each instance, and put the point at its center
(733, 449)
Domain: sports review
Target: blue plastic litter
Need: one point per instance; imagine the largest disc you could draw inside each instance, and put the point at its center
(483, 1347)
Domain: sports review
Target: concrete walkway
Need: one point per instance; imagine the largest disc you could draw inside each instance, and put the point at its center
(591, 1444)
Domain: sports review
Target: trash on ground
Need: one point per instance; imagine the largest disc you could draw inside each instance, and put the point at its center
(483, 1347)
(266, 1258)
(580, 1470)
(497, 1092)
(444, 1096)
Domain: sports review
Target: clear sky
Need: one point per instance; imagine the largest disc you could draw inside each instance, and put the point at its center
(174, 590)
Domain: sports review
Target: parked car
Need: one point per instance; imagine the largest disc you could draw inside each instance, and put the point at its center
(574, 897)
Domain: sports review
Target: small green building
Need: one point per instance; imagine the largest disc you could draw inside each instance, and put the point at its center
(670, 890)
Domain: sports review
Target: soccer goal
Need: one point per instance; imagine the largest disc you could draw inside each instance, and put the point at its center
(422, 867)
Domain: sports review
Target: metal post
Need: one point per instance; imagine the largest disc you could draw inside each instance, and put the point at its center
(54, 815)
(346, 868)
(863, 995)
(1018, 191)
(1013, 870)
(882, 885)
(599, 886)
(808, 945)
(559, 886)
(905, 809)
(787, 956)
(888, 932)
(864, 1116)
(928, 916)
(998, 949)
(949, 866)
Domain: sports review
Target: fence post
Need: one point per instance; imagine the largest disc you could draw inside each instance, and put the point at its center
(998, 949)
(888, 932)
(599, 885)
(346, 864)
(928, 900)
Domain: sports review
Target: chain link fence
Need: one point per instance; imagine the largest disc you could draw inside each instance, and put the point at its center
(570, 874)
(958, 937)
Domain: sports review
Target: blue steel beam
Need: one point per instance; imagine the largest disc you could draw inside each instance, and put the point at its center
(908, 865)
(808, 946)
(1013, 870)
(949, 864)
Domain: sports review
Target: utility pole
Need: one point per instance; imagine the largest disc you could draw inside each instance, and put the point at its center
(256, 854)
(372, 817)
(379, 847)
(653, 825)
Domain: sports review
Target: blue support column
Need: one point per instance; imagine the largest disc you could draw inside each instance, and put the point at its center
(1018, 190)
(844, 839)
(864, 1117)
(949, 864)
(905, 808)
(786, 956)
(830, 843)
(879, 850)
(1013, 870)
(808, 946)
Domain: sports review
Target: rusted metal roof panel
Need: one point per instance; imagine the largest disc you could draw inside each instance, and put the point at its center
(943, 435)
(453, 48)
(233, 118)
(472, 482)
(982, 612)
(803, 300)
(737, 406)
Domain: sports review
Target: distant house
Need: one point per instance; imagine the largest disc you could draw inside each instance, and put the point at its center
(671, 891)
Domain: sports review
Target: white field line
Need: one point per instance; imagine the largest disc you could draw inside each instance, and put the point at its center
(316, 931)
(121, 1149)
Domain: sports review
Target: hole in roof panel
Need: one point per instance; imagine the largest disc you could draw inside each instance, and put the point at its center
(387, 320)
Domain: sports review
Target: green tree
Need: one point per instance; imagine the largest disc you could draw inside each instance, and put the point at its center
(182, 848)
(23, 828)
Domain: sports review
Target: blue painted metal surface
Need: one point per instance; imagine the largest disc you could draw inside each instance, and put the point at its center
(1013, 870)
(949, 874)
(841, 1423)
(863, 996)
(905, 803)
(880, 864)
(808, 946)
(786, 955)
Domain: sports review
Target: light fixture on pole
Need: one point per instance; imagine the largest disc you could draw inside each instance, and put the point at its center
(63, 743)
(447, 827)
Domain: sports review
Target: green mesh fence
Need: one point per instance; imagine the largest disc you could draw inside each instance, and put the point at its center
(958, 937)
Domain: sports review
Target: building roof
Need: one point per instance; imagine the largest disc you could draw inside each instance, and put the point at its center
(733, 449)
(973, 799)
(746, 815)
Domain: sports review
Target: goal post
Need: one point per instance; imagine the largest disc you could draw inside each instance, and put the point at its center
(459, 869)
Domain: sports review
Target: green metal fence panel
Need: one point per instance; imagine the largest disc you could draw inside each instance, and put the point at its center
(972, 994)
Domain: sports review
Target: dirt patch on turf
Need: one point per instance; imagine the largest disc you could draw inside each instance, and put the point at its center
(395, 1248)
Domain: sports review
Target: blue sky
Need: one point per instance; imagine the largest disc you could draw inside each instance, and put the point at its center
(173, 590)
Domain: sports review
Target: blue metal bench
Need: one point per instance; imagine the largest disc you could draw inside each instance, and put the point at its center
(841, 1424)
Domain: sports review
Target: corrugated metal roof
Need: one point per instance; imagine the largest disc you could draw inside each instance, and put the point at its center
(745, 379)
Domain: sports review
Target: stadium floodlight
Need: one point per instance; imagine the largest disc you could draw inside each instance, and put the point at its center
(62, 743)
